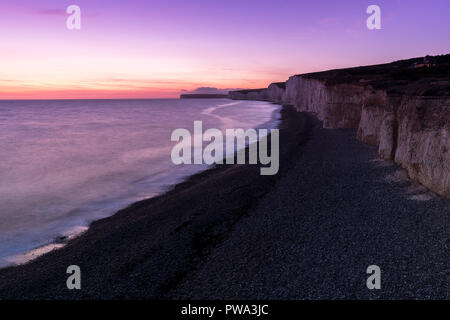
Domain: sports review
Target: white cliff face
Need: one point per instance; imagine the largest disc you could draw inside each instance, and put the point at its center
(388, 136)
(412, 131)
(248, 95)
(375, 104)
(274, 93)
(307, 95)
(237, 95)
(423, 142)
(291, 92)
(337, 106)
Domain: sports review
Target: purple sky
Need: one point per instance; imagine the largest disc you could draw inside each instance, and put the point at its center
(158, 48)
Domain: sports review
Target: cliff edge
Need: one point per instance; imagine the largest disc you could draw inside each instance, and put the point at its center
(203, 96)
(402, 107)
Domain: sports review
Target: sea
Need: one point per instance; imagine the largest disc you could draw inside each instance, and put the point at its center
(66, 163)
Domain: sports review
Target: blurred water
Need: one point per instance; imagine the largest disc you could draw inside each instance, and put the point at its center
(65, 163)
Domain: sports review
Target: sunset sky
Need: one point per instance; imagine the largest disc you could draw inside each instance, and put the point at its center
(150, 49)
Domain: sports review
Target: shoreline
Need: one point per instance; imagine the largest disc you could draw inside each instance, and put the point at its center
(191, 181)
(73, 231)
(308, 232)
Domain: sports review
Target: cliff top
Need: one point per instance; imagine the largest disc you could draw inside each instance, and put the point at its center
(279, 84)
(249, 90)
(426, 76)
(203, 96)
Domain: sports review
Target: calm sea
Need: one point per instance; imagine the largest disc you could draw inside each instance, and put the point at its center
(65, 163)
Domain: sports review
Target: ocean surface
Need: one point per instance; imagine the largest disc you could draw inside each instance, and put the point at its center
(66, 163)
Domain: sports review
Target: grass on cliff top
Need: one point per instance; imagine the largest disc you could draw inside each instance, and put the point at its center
(412, 77)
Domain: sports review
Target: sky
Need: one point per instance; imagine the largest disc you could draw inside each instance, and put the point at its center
(159, 49)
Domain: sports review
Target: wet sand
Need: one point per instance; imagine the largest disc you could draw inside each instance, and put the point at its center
(308, 232)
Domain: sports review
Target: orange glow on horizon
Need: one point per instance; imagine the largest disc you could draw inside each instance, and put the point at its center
(112, 89)
(148, 49)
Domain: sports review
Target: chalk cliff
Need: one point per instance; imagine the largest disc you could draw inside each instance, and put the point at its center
(409, 120)
(203, 96)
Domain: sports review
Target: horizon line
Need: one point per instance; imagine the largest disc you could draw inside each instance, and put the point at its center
(69, 99)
